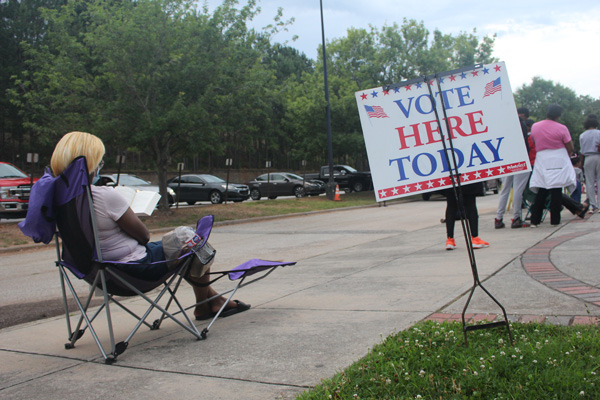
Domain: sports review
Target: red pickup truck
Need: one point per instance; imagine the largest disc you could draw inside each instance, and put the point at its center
(15, 186)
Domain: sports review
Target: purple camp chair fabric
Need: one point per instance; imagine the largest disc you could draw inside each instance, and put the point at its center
(40, 222)
(253, 266)
(204, 227)
(47, 194)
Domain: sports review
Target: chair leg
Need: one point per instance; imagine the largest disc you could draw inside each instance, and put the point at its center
(65, 302)
(77, 333)
(108, 315)
(156, 324)
(190, 327)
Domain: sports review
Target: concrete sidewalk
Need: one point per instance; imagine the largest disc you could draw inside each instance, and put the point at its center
(353, 285)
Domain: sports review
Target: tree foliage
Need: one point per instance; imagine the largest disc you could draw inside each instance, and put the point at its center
(396, 53)
(538, 95)
(165, 81)
(156, 76)
(21, 26)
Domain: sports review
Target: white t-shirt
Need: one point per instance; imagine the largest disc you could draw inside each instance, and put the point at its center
(115, 244)
(589, 141)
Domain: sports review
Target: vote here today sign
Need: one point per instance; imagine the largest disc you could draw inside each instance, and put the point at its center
(403, 138)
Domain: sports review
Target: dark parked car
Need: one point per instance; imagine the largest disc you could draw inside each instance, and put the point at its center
(284, 184)
(347, 178)
(133, 181)
(193, 188)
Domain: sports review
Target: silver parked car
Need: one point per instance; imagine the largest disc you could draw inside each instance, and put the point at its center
(135, 182)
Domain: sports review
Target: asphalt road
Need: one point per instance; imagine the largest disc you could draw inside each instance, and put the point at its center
(30, 284)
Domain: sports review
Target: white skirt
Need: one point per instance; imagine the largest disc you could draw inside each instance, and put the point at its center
(553, 169)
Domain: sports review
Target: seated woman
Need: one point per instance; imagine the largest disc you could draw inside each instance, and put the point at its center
(122, 235)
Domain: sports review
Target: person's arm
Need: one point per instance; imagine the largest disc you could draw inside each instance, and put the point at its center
(134, 227)
(570, 148)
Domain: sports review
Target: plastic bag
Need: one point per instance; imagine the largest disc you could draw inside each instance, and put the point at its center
(174, 242)
(182, 239)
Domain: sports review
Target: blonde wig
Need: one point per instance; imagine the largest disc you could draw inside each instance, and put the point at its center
(73, 145)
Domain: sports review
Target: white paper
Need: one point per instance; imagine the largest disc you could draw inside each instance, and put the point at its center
(142, 202)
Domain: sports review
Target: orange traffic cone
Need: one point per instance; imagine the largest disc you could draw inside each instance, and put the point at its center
(337, 193)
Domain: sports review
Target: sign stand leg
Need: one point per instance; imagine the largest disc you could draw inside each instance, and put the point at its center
(457, 191)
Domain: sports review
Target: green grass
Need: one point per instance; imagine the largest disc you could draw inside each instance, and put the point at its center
(430, 361)
(264, 208)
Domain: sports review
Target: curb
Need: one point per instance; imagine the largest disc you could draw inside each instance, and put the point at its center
(562, 320)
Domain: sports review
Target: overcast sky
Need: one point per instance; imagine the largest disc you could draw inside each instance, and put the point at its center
(557, 40)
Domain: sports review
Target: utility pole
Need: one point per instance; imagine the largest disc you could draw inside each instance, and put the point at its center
(330, 183)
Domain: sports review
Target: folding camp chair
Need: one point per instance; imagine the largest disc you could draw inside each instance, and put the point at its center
(529, 199)
(66, 202)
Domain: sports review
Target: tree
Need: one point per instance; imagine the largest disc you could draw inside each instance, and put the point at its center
(153, 75)
(287, 66)
(21, 24)
(366, 59)
(396, 53)
(538, 95)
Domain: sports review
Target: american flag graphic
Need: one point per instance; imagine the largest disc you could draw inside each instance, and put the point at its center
(375, 112)
(492, 87)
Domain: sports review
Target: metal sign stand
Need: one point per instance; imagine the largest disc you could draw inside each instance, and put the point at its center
(457, 189)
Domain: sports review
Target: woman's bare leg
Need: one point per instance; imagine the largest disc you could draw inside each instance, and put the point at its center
(204, 292)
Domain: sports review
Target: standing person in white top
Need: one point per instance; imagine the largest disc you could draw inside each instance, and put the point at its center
(589, 142)
(553, 170)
